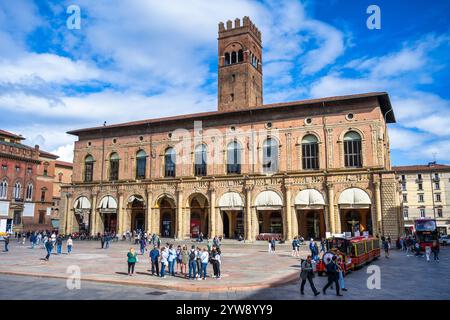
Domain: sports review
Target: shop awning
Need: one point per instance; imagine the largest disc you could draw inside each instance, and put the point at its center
(108, 202)
(354, 198)
(82, 203)
(138, 198)
(230, 201)
(268, 200)
(309, 198)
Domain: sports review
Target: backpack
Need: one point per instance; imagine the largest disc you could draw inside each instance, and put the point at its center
(192, 255)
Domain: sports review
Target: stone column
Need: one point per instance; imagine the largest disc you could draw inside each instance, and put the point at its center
(212, 212)
(121, 216)
(93, 215)
(331, 212)
(378, 225)
(248, 215)
(288, 212)
(68, 214)
(255, 224)
(179, 230)
(149, 217)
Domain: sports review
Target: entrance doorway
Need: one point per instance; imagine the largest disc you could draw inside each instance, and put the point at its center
(199, 219)
(110, 222)
(311, 223)
(356, 221)
(167, 217)
(137, 215)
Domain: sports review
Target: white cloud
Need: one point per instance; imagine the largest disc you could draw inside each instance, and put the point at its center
(64, 152)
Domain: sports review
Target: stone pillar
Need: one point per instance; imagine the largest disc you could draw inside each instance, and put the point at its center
(179, 229)
(248, 215)
(121, 216)
(378, 227)
(288, 212)
(254, 223)
(331, 212)
(148, 220)
(68, 213)
(93, 215)
(212, 212)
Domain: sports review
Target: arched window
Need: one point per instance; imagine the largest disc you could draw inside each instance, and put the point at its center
(46, 164)
(169, 163)
(200, 160)
(114, 167)
(60, 176)
(233, 57)
(240, 56)
(141, 164)
(88, 168)
(227, 59)
(43, 191)
(17, 190)
(310, 152)
(352, 150)
(29, 195)
(234, 158)
(3, 189)
(270, 155)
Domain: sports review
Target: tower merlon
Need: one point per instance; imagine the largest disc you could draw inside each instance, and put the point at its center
(227, 28)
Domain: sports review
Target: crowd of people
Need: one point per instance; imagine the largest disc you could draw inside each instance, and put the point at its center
(182, 261)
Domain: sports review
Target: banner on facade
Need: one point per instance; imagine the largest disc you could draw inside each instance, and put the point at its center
(4, 208)
(28, 210)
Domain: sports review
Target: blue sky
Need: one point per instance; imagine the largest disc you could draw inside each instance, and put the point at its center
(142, 59)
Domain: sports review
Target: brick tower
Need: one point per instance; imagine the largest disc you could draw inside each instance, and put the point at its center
(240, 66)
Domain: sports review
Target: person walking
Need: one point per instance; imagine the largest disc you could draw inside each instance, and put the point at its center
(322, 246)
(154, 255)
(172, 260)
(205, 259)
(435, 250)
(59, 243)
(6, 243)
(269, 242)
(49, 247)
(107, 240)
(102, 241)
(341, 267)
(184, 261)
(332, 272)
(69, 245)
(311, 247)
(192, 263)
(428, 252)
(294, 247)
(164, 261)
(131, 259)
(143, 244)
(307, 273)
(273, 244)
(386, 248)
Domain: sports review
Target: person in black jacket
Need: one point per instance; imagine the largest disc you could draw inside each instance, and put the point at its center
(333, 276)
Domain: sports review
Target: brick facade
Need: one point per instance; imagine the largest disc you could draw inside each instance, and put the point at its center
(265, 201)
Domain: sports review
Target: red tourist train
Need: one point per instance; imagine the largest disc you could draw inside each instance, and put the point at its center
(353, 252)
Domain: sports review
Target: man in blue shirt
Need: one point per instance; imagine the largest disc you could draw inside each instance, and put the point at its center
(154, 255)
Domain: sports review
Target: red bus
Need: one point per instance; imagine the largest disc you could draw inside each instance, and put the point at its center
(354, 252)
(426, 232)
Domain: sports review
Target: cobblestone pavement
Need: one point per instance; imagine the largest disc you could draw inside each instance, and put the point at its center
(244, 266)
(402, 277)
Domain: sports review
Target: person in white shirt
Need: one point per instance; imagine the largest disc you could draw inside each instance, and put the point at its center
(172, 260)
(164, 261)
(69, 245)
(205, 259)
(428, 252)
